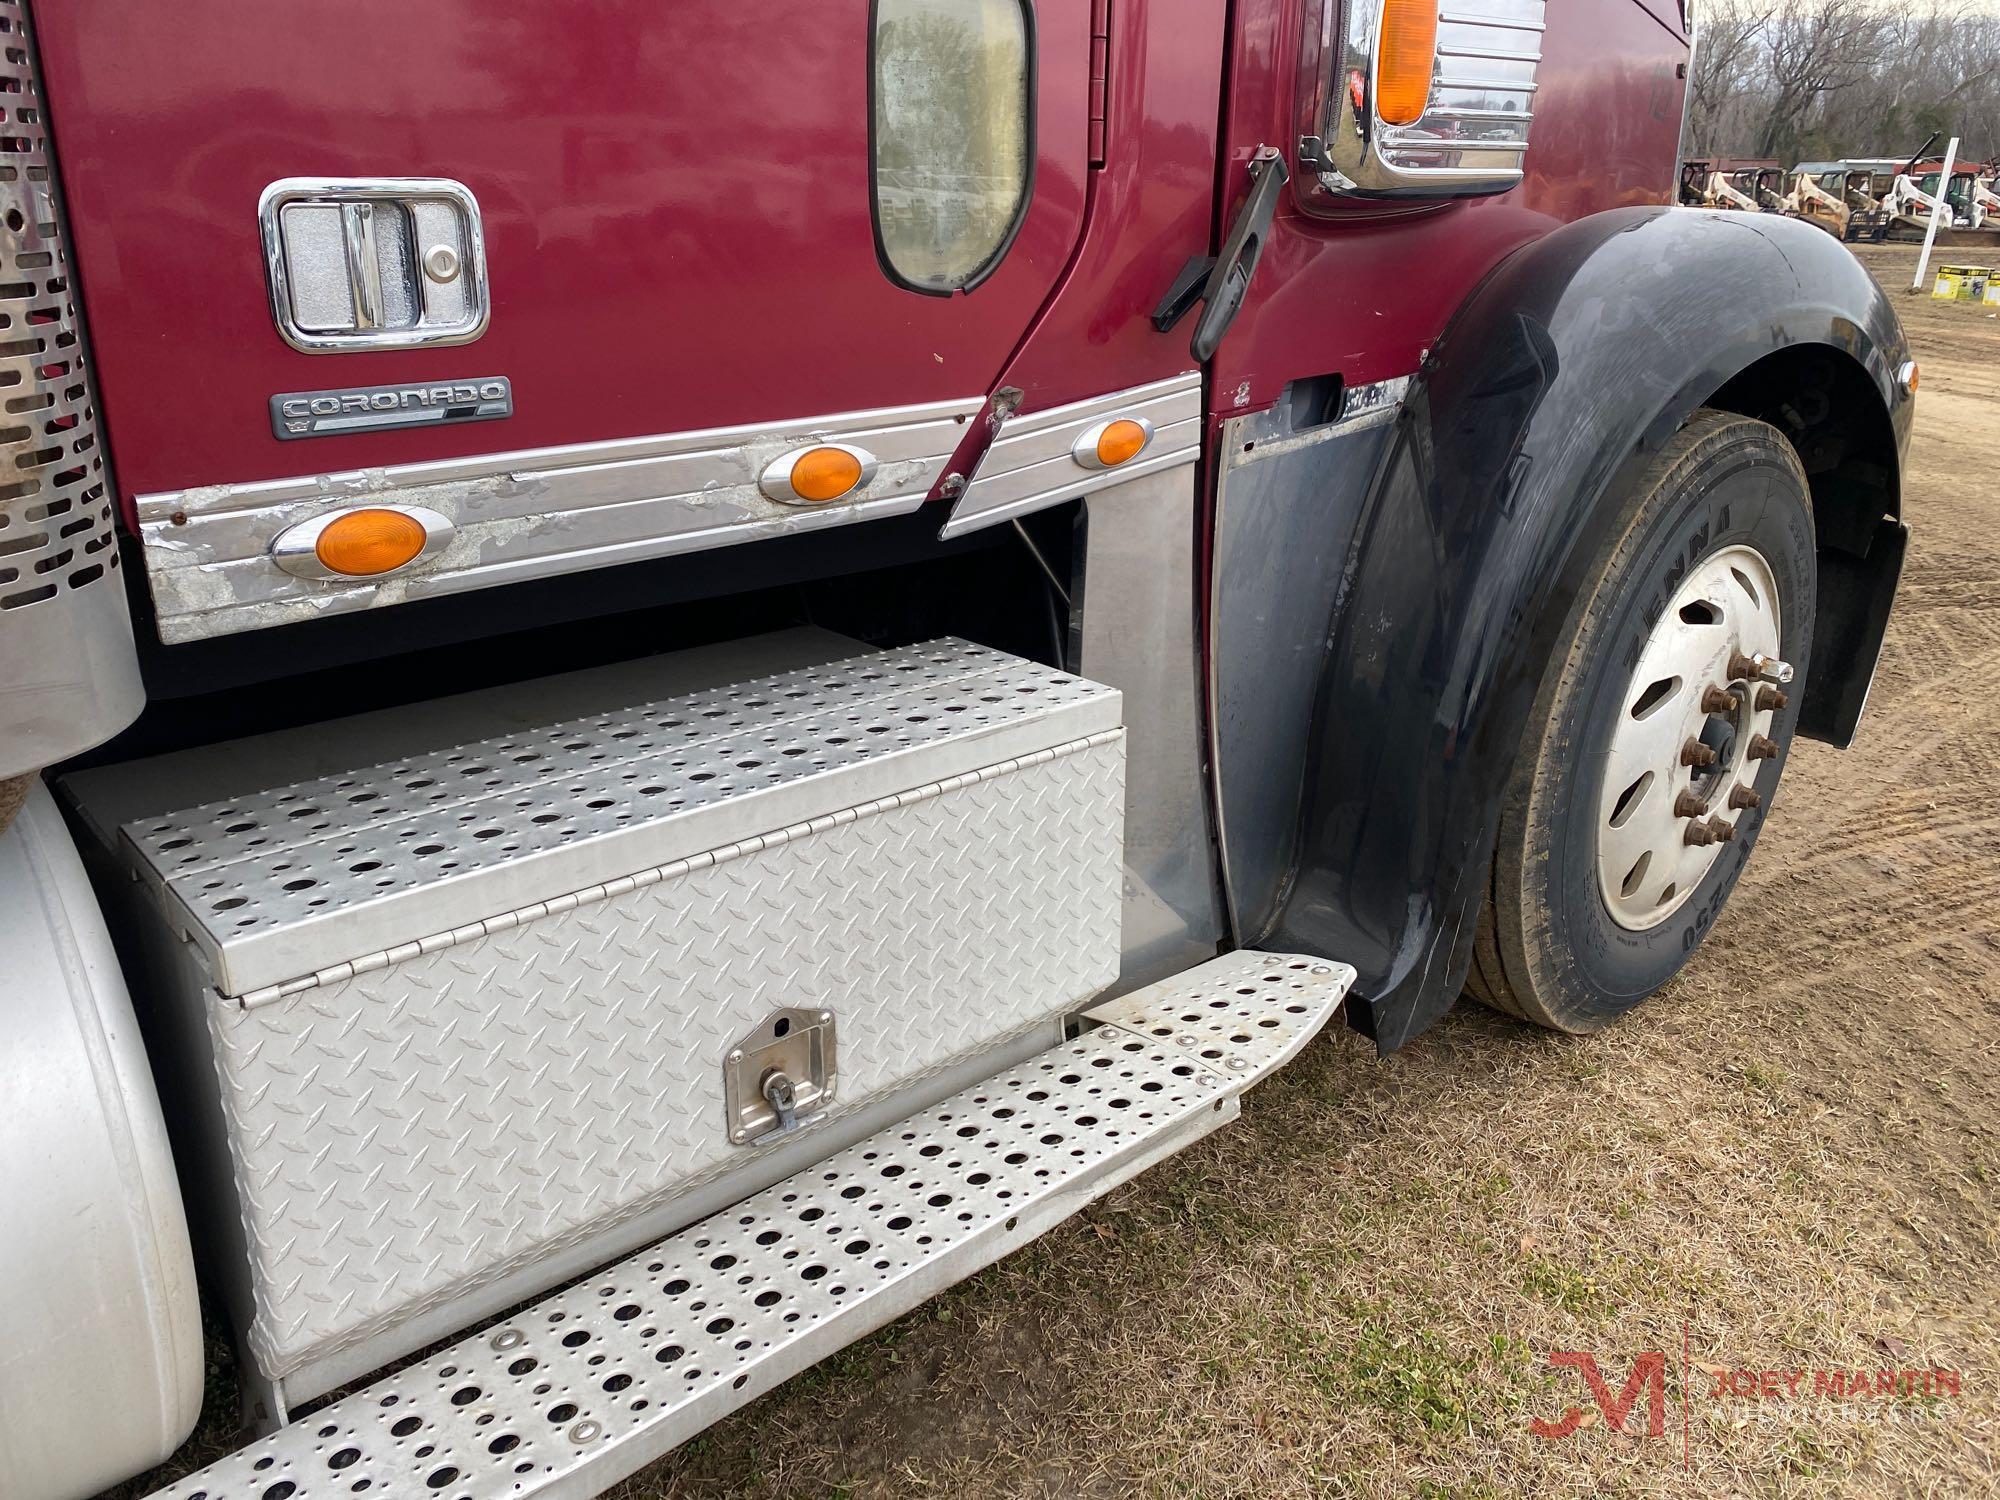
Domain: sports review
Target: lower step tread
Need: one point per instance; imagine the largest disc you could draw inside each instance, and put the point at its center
(569, 1396)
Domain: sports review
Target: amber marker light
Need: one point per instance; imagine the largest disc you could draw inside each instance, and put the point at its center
(1119, 441)
(814, 476)
(363, 543)
(1404, 56)
(1111, 444)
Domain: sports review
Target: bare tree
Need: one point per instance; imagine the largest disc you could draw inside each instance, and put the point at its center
(1832, 78)
(1729, 57)
(1812, 51)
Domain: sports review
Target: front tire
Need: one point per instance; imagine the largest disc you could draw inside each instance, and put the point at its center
(1615, 852)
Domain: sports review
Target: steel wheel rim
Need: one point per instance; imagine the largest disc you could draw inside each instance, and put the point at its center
(1647, 868)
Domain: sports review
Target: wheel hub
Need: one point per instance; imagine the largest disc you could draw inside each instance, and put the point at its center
(1693, 728)
(1718, 732)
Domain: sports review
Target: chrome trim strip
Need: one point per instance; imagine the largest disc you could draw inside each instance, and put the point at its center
(532, 513)
(1031, 465)
(1491, 54)
(1272, 436)
(1454, 112)
(1372, 405)
(1497, 23)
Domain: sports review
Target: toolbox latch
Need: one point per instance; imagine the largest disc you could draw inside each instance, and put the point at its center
(780, 1077)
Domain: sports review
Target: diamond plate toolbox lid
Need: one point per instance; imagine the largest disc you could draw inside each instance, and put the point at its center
(325, 875)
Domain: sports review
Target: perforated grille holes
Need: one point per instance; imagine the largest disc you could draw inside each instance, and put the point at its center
(55, 505)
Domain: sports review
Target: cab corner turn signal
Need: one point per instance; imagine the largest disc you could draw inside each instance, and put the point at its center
(1113, 443)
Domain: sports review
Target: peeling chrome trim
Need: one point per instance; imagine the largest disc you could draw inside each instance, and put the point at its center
(1032, 464)
(1374, 404)
(532, 513)
(1271, 435)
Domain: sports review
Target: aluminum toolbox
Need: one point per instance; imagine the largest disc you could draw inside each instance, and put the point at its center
(468, 1007)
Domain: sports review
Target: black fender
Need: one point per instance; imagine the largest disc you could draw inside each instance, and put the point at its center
(1552, 386)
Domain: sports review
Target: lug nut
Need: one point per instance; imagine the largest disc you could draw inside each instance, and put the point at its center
(1723, 832)
(1695, 753)
(1743, 799)
(1771, 699)
(1715, 700)
(1757, 667)
(1762, 748)
(1699, 834)
(1688, 805)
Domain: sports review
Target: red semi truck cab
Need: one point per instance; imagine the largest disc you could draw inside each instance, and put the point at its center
(668, 675)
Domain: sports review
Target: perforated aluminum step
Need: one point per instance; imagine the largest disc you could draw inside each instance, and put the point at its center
(570, 1396)
(283, 882)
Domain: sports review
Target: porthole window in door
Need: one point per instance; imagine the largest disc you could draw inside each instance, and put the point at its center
(952, 103)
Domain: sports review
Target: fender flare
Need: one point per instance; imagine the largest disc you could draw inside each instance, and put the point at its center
(1556, 381)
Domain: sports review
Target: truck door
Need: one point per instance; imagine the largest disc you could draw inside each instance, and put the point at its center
(702, 215)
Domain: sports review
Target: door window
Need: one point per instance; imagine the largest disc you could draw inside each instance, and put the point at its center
(953, 86)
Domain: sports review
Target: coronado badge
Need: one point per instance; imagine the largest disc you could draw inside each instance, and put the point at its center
(367, 408)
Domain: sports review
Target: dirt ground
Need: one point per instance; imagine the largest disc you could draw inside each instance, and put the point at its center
(1789, 1162)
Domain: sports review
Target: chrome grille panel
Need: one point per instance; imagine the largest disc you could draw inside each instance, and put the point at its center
(530, 514)
(66, 667)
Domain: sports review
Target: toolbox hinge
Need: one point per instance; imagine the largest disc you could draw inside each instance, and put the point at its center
(1100, 72)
